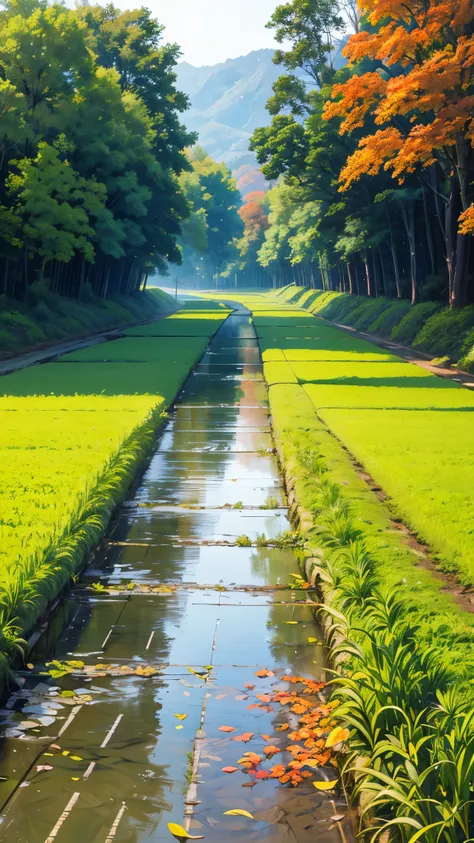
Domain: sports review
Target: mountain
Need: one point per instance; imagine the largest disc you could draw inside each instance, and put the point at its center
(227, 103)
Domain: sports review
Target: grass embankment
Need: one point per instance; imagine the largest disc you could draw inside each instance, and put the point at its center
(447, 335)
(44, 317)
(405, 689)
(73, 435)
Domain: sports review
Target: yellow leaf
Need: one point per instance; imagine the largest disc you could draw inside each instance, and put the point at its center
(238, 812)
(66, 751)
(312, 640)
(180, 833)
(76, 758)
(181, 716)
(291, 623)
(179, 727)
(338, 735)
(74, 779)
(325, 785)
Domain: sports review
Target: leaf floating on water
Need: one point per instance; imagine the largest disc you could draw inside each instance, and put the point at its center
(238, 812)
(202, 674)
(230, 769)
(264, 673)
(338, 735)
(291, 623)
(180, 833)
(227, 729)
(30, 666)
(41, 768)
(262, 774)
(181, 716)
(241, 697)
(271, 750)
(76, 758)
(187, 694)
(249, 784)
(66, 751)
(246, 737)
(179, 727)
(249, 686)
(75, 778)
(324, 785)
(312, 640)
(282, 727)
(220, 696)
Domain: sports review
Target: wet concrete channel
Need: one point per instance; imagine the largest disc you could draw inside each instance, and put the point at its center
(106, 753)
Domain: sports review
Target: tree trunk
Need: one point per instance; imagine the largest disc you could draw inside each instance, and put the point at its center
(393, 249)
(365, 261)
(408, 216)
(429, 236)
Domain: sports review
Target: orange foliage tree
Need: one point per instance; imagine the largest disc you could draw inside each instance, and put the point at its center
(415, 107)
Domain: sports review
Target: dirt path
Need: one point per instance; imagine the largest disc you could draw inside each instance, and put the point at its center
(104, 753)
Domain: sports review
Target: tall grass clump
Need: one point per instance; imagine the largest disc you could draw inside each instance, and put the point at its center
(410, 761)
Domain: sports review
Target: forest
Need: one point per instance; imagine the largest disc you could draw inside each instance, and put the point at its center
(373, 161)
(91, 149)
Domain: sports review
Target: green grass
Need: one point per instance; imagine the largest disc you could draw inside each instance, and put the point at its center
(73, 436)
(428, 326)
(45, 317)
(137, 349)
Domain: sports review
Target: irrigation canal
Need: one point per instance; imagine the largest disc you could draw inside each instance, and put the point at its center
(110, 760)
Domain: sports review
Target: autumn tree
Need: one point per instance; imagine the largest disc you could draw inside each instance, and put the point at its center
(413, 110)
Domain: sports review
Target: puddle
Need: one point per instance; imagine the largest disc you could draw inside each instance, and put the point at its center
(99, 754)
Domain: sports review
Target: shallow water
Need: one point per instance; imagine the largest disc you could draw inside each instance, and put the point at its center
(118, 766)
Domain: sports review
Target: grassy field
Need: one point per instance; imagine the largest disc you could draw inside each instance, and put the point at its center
(73, 434)
(410, 429)
(44, 317)
(429, 326)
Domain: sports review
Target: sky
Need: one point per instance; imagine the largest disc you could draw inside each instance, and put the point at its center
(211, 31)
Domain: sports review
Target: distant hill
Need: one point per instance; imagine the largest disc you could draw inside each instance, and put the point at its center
(227, 103)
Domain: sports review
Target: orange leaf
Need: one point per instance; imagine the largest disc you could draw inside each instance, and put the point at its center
(271, 750)
(266, 698)
(249, 686)
(266, 737)
(262, 774)
(227, 729)
(230, 769)
(245, 737)
(263, 673)
(282, 728)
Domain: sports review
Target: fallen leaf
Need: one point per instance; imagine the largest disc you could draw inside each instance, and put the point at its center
(282, 728)
(30, 666)
(75, 778)
(338, 735)
(266, 737)
(324, 785)
(76, 758)
(262, 774)
(312, 640)
(291, 623)
(249, 686)
(238, 812)
(271, 750)
(41, 768)
(54, 746)
(180, 833)
(266, 698)
(230, 769)
(179, 727)
(220, 696)
(337, 818)
(263, 673)
(66, 751)
(227, 729)
(181, 716)
(241, 697)
(246, 737)
(249, 784)
(187, 694)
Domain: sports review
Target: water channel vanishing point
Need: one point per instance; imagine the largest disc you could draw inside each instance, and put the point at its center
(120, 754)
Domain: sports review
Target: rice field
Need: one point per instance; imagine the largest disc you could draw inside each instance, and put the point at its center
(73, 433)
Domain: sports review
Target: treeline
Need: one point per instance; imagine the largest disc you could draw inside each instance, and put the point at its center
(91, 149)
(373, 153)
